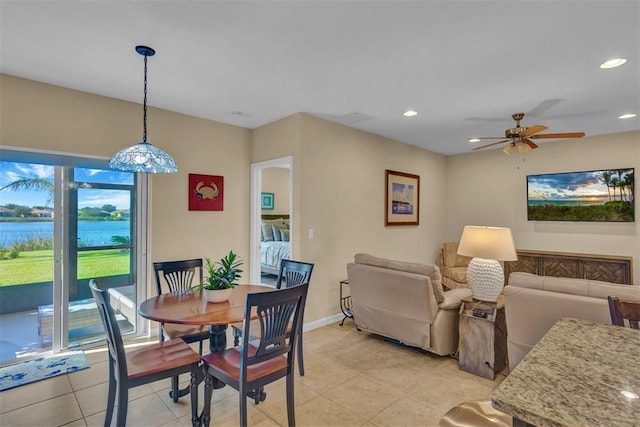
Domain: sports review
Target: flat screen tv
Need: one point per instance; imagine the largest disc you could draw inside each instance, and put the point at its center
(601, 195)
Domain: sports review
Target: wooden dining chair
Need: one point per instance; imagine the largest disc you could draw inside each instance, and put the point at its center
(264, 356)
(145, 365)
(179, 276)
(291, 273)
(622, 310)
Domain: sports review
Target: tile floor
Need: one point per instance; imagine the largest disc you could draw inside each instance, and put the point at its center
(352, 379)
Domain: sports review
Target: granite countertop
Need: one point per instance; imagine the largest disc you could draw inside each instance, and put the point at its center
(581, 373)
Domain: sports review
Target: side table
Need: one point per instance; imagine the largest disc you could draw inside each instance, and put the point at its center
(345, 302)
(483, 337)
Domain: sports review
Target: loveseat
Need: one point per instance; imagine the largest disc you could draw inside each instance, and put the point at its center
(453, 267)
(406, 302)
(533, 304)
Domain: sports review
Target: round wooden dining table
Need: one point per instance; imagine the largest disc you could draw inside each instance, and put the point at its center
(190, 308)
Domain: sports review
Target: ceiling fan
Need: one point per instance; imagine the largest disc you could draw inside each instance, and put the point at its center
(521, 138)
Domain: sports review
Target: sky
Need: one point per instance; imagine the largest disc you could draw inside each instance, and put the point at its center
(574, 186)
(10, 171)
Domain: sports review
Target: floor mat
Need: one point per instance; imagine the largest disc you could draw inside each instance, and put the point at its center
(41, 368)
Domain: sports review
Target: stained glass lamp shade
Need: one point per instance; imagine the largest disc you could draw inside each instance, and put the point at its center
(143, 157)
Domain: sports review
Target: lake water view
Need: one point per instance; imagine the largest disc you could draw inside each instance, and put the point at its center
(90, 233)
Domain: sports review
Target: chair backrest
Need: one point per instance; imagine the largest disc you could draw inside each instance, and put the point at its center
(178, 275)
(277, 312)
(293, 273)
(112, 330)
(622, 310)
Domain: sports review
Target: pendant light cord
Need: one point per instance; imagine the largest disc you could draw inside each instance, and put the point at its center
(144, 104)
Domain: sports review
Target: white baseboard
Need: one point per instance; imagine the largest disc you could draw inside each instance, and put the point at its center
(307, 326)
(322, 322)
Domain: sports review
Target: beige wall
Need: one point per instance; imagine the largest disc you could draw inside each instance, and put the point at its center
(342, 176)
(276, 181)
(489, 188)
(45, 117)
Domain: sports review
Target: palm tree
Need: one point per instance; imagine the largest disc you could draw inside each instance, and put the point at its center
(621, 181)
(628, 183)
(31, 183)
(606, 179)
(615, 182)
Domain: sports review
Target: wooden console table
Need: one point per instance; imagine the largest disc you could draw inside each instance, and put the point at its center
(606, 268)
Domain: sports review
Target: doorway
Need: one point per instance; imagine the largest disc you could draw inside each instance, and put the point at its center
(271, 210)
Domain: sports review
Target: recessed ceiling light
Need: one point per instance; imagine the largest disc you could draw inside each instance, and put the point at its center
(627, 116)
(410, 113)
(612, 63)
(474, 140)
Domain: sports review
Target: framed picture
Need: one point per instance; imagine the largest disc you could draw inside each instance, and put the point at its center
(206, 192)
(402, 198)
(605, 195)
(268, 200)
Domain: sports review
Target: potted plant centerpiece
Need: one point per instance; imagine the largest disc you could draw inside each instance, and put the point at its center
(218, 286)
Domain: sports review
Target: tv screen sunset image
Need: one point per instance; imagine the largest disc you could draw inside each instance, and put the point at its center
(601, 195)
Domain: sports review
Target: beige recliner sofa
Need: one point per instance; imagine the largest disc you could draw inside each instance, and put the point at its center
(405, 301)
(533, 304)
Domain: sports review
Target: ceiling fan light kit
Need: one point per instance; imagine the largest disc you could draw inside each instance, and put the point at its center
(521, 137)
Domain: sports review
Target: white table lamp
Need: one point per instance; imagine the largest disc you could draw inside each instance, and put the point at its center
(487, 246)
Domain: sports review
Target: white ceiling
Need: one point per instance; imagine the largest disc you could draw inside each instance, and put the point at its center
(465, 66)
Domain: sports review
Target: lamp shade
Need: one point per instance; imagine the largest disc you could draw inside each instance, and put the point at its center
(488, 243)
(143, 157)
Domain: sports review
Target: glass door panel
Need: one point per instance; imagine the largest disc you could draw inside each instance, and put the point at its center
(26, 259)
(100, 239)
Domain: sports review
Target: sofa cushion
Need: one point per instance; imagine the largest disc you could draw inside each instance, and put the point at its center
(428, 270)
(450, 256)
(459, 274)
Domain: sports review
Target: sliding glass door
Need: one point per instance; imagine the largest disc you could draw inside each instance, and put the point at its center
(62, 226)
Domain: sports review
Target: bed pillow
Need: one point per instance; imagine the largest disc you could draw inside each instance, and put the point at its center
(284, 235)
(267, 229)
(276, 228)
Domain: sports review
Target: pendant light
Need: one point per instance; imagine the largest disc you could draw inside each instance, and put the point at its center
(143, 157)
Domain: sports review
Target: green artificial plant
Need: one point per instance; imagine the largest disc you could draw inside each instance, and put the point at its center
(223, 273)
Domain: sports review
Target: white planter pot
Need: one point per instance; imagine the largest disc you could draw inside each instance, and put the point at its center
(218, 295)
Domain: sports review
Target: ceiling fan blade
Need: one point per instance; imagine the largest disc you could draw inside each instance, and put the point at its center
(534, 129)
(488, 137)
(558, 135)
(489, 145)
(530, 143)
(543, 107)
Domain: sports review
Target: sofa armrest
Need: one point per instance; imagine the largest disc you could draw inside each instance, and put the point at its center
(453, 298)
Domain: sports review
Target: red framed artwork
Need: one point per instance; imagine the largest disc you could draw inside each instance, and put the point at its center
(206, 192)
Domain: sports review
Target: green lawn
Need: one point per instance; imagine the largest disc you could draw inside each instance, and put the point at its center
(37, 266)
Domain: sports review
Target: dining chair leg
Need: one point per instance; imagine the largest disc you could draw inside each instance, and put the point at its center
(236, 337)
(208, 390)
(123, 401)
(300, 356)
(111, 396)
(291, 415)
(193, 391)
(242, 395)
